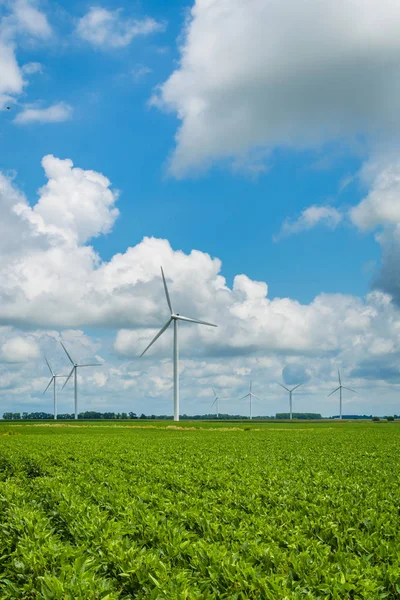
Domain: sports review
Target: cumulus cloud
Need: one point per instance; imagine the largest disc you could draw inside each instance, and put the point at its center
(107, 29)
(381, 206)
(74, 205)
(51, 278)
(52, 114)
(19, 349)
(310, 218)
(380, 209)
(294, 74)
(24, 19)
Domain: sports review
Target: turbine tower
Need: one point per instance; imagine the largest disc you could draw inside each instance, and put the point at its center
(216, 400)
(340, 388)
(290, 397)
(175, 318)
(250, 395)
(54, 376)
(74, 370)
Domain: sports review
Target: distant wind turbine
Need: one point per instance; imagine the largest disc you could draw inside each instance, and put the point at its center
(340, 388)
(216, 401)
(290, 397)
(74, 370)
(175, 317)
(54, 376)
(250, 395)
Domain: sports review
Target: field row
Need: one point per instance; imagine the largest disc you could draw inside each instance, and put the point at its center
(182, 514)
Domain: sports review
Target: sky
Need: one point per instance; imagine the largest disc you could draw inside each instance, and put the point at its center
(251, 148)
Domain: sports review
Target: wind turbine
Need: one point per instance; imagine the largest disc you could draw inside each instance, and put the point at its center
(340, 388)
(290, 397)
(250, 395)
(175, 317)
(54, 376)
(74, 370)
(216, 400)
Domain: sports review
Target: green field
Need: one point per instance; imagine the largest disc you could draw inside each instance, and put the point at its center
(217, 510)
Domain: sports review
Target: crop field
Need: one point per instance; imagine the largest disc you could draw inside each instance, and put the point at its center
(277, 511)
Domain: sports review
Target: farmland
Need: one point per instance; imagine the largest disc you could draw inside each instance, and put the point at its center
(271, 511)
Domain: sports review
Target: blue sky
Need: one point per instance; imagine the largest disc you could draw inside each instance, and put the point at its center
(248, 162)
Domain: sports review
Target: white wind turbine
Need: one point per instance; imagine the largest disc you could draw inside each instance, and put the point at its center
(340, 388)
(175, 317)
(216, 401)
(251, 396)
(290, 397)
(74, 370)
(54, 376)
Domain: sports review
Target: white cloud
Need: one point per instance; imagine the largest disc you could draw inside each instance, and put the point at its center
(11, 81)
(381, 206)
(29, 19)
(297, 73)
(310, 218)
(50, 277)
(140, 72)
(19, 349)
(74, 205)
(23, 21)
(56, 113)
(109, 29)
(31, 68)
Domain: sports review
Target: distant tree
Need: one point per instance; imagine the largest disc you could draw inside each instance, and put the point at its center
(376, 419)
(124, 415)
(143, 416)
(132, 415)
(390, 418)
(304, 416)
(108, 415)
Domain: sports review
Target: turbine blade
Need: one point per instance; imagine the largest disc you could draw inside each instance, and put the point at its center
(50, 369)
(90, 365)
(50, 382)
(214, 392)
(166, 291)
(68, 378)
(243, 397)
(195, 321)
(158, 335)
(254, 396)
(340, 381)
(66, 352)
(295, 388)
(214, 402)
(338, 388)
(284, 387)
(349, 389)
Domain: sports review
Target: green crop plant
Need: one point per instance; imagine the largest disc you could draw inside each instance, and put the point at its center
(285, 511)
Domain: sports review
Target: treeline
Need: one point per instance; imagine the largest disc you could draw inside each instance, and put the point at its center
(37, 416)
(305, 416)
(109, 416)
(365, 417)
